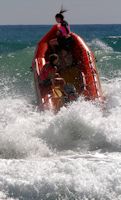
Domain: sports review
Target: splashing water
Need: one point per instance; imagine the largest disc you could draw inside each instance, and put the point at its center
(74, 154)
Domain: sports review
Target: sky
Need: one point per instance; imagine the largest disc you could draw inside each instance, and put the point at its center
(43, 11)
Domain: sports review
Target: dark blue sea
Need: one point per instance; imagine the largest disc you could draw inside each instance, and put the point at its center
(73, 155)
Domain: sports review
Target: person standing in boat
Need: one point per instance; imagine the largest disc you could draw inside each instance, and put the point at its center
(63, 39)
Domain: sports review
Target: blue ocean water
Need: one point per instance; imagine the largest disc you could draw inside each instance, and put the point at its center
(74, 155)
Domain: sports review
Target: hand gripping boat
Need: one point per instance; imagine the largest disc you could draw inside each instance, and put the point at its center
(77, 67)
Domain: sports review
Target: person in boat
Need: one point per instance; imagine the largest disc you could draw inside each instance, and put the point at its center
(50, 78)
(63, 38)
(67, 90)
(49, 70)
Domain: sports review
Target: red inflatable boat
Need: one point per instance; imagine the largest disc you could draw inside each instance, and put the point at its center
(78, 69)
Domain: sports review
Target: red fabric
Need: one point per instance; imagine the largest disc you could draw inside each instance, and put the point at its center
(63, 30)
(47, 72)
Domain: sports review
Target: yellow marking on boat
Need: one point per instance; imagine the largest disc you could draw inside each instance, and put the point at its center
(57, 92)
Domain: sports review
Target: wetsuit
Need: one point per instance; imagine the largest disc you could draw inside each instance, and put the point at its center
(64, 38)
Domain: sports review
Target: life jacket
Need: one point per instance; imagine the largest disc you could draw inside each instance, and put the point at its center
(47, 72)
(64, 28)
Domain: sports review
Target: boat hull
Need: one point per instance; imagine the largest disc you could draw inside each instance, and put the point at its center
(77, 68)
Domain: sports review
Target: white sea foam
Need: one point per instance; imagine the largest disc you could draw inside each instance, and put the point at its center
(114, 37)
(101, 46)
(78, 177)
(72, 155)
(79, 127)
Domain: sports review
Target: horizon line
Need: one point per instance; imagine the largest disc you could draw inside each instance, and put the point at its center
(54, 24)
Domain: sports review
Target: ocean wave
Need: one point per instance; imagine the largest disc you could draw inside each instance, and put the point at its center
(78, 178)
(80, 127)
(114, 36)
(8, 47)
(101, 45)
